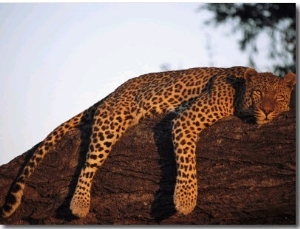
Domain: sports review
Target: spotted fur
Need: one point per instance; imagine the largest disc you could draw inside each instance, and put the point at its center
(199, 96)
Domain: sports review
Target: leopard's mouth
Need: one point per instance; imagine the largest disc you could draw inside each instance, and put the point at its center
(263, 118)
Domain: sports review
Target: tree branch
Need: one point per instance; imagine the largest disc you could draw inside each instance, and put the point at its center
(246, 175)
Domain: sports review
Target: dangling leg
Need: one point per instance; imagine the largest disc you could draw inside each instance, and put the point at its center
(80, 203)
(186, 128)
(184, 141)
(107, 129)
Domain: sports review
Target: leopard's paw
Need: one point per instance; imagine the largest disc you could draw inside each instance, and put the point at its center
(80, 206)
(185, 200)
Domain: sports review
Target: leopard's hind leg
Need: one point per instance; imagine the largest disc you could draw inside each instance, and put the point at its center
(108, 127)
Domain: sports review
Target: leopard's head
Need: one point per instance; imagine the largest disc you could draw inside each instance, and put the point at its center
(268, 94)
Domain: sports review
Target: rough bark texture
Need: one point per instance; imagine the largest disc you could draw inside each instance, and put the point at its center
(246, 175)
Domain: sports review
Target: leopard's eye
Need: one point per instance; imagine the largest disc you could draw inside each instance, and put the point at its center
(279, 97)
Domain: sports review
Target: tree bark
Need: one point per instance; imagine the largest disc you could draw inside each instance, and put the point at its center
(246, 175)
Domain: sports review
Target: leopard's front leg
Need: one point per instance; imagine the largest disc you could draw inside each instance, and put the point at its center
(186, 127)
(186, 190)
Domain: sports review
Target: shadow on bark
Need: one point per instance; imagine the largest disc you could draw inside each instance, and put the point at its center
(163, 205)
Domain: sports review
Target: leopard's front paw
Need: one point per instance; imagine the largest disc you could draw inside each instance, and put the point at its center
(80, 206)
(185, 200)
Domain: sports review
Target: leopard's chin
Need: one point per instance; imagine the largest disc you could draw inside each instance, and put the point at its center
(262, 121)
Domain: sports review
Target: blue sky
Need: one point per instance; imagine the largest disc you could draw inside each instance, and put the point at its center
(58, 59)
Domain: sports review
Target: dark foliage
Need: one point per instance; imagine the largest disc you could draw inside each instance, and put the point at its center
(276, 20)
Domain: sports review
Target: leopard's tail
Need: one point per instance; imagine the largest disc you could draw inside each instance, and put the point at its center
(13, 198)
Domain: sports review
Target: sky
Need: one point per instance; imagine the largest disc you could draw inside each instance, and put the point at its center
(57, 59)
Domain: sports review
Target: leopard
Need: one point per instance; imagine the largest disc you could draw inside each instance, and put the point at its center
(198, 97)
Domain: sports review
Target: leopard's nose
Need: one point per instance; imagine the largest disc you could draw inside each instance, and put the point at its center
(266, 110)
(267, 106)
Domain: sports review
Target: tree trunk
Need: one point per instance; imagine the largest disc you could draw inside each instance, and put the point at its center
(246, 175)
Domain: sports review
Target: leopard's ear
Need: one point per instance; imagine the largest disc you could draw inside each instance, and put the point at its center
(290, 80)
(249, 73)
